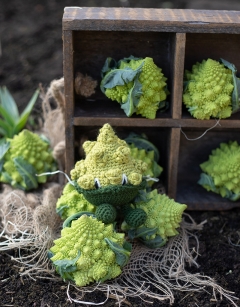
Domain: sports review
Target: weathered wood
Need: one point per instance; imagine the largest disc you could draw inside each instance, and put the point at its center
(178, 73)
(175, 39)
(69, 98)
(172, 165)
(158, 122)
(159, 20)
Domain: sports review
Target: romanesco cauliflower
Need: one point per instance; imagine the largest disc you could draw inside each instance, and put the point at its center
(72, 202)
(222, 170)
(137, 84)
(27, 156)
(209, 90)
(163, 218)
(89, 251)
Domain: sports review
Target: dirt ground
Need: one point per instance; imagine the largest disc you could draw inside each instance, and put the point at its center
(31, 53)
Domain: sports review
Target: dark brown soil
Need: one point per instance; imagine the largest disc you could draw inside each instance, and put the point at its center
(31, 53)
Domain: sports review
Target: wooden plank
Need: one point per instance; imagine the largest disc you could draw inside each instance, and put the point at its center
(172, 168)
(142, 19)
(201, 125)
(69, 98)
(178, 73)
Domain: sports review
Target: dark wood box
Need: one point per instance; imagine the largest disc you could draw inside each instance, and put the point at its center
(176, 39)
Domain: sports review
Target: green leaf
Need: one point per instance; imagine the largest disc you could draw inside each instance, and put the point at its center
(27, 172)
(109, 64)
(155, 243)
(236, 83)
(26, 112)
(122, 254)
(207, 182)
(133, 98)
(8, 103)
(8, 117)
(119, 77)
(141, 232)
(61, 209)
(6, 129)
(66, 266)
(4, 146)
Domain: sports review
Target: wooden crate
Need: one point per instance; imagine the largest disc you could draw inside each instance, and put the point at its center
(176, 39)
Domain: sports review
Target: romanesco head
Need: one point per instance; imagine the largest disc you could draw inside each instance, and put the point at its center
(28, 147)
(72, 202)
(223, 167)
(154, 170)
(108, 162)
(209, 90)
(83, 252)
(163, 214)
(147, 89)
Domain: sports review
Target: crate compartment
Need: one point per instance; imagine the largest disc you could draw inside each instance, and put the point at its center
(191, 155)
(89, 59)
(201, 46)
(175, 39)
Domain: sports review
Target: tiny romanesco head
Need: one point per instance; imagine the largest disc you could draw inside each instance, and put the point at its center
(72, 202)
(209, 89)
(83, 254)
(108, 162)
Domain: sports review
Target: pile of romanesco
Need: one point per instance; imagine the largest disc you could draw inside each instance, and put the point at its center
(211, 89)
(137, 84)
(221, 172)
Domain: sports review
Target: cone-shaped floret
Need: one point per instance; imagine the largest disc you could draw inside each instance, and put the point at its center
(83, 251)
(163, 213)
(223, 167)
(209, 90)
(27, 148)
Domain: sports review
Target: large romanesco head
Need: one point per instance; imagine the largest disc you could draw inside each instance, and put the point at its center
(163, 218)
(138, 84)
(209, 90)
(222, 171)
(108, 162)
(27, 156)
(89, 251)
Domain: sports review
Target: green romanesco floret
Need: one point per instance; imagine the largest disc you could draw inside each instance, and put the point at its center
(222, 171)
(163, 216)
(27, 156)
(209, 90)
(138, 84)
(154, 170)
(72, 202)
(89, 251)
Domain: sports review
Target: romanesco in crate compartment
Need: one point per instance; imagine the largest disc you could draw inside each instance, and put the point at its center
(137, 84)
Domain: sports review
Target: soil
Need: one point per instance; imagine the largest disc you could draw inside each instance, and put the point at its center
(31, 53)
